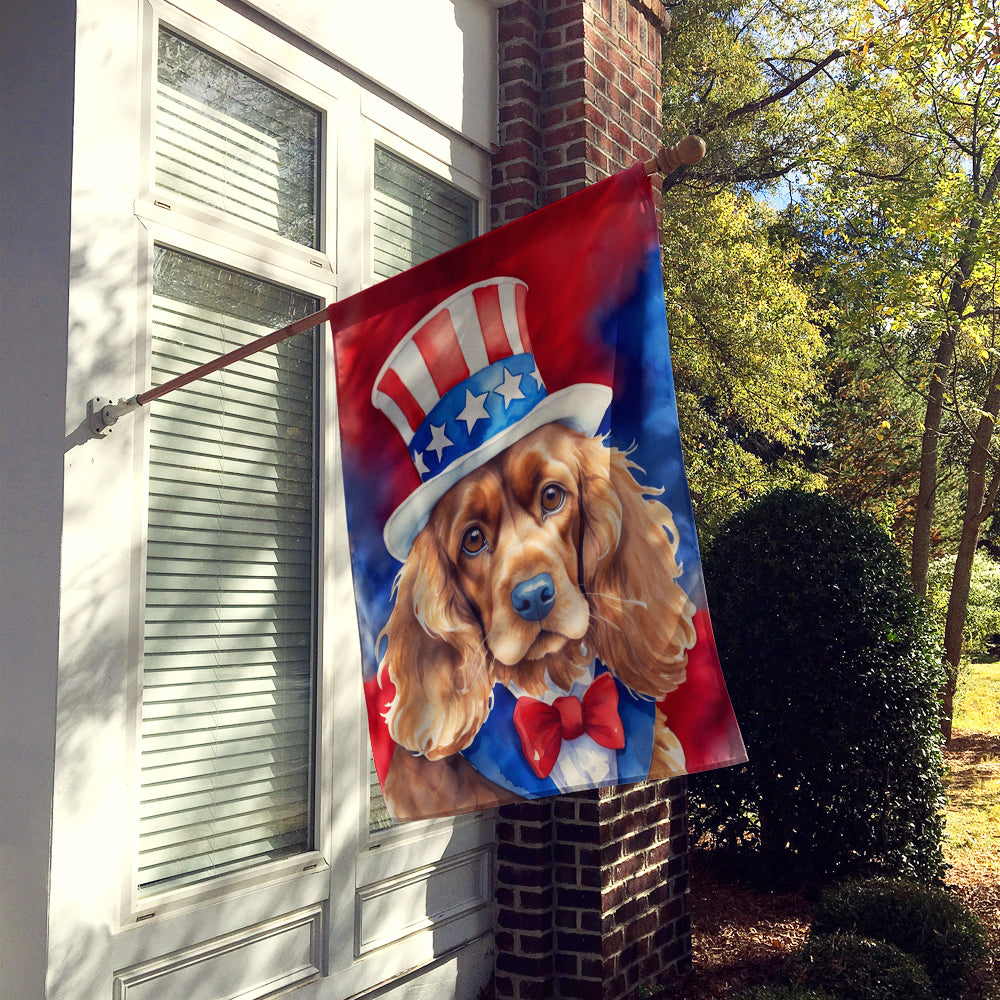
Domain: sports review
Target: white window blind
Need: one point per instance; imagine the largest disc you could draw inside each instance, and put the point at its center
(230, 141)
(416, 216)
(228, 659)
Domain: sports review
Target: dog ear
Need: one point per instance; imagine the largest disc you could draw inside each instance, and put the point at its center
(642, 619)
(434, 656)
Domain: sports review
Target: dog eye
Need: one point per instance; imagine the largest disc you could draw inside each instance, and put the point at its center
(473, 541)
(553, 497)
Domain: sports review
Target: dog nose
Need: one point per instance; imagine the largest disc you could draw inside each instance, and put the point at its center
(533, 599)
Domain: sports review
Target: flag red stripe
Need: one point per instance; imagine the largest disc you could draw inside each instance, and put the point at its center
(394, 387)
(491, 321)
(520, 298)
(438, 345)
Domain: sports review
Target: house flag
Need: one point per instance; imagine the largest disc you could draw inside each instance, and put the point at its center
(527, 578)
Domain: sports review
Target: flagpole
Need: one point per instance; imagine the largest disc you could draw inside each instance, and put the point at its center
(687, 152)
(103, 413)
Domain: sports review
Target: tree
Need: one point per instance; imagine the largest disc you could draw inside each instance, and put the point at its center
(747, 353)
(747, 358)
(912, 190)
(746, 75)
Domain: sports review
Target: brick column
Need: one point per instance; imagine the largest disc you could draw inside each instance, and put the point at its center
(579, 96)
(591, 889)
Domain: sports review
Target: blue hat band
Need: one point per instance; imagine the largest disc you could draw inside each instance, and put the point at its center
(474, 411)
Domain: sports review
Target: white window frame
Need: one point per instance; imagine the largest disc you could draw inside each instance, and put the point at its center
(351, 873)
(180, 224)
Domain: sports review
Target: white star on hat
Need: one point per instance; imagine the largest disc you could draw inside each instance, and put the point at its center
(439, 440)
(510, 388)
(475, 410)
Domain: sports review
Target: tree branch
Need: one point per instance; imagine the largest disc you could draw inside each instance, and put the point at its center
(754, 106)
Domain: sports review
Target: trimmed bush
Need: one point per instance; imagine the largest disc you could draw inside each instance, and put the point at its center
(925, 922)
(834, 672)
(856, 968)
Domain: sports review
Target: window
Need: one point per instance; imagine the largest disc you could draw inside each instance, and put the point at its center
(210, 833)
(228, 685)
(229, 646)
(227, 140)
(416, 215)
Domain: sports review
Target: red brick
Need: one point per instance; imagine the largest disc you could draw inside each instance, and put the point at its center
(519, 149)
(579, 942)
(517, 111)
(552, 78)
(518, 49)
(518, 876)
(571, 14)
(567, 964)
(595, 103)
(523, 920)
(642, 882)
(561, 52)
(573, 129)
(520, 130)
(535, 899)
(532, 944)
(521, 91)
(567, 174)
(552, 117)
(521, 965)
(573, 988)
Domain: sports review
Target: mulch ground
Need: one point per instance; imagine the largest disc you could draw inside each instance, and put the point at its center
(742, 935)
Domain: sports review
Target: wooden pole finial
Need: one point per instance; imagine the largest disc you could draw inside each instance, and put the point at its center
(668, 158)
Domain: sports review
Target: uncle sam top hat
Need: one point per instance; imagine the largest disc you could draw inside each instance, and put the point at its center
(461, 386)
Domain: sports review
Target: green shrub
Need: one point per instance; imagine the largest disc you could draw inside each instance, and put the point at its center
(926, 922)
(833, 672)
(856, 968)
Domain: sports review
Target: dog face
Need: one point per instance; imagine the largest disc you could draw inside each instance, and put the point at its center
(546, 556)
(511, 531)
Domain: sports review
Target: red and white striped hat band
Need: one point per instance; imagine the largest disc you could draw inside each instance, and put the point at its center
(461, 386)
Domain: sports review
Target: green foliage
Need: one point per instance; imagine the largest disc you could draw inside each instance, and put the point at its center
(983, 612)
(833, 673)
(737, 72)
(746, 354)
(856, 968)
(924, 921)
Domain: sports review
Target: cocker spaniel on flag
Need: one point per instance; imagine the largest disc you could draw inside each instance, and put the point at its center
(544, 628)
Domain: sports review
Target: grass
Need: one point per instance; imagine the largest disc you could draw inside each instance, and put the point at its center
(972, 848)
(978, 698)
(973, 783)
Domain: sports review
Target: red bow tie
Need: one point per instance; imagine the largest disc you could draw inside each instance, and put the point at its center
(542, 727)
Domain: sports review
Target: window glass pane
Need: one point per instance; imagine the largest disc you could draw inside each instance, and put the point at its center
(228, 655)
(228, 140)
(416, 217)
